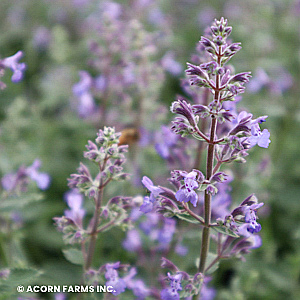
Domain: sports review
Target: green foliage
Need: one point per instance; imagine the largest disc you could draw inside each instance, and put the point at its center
(37, 121)
(188, 218)
(16, 277)
(224, 230)
(74, 256)
(13, 203)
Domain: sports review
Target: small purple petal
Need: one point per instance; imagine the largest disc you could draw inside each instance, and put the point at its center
(149, 185)
(147, 205)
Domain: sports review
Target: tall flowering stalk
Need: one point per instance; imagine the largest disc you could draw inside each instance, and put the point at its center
(108, 156)
(124, 55)
(229, 137)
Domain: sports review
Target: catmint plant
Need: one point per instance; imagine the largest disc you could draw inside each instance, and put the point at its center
(197, 195)
(79, 229)
(127, 74)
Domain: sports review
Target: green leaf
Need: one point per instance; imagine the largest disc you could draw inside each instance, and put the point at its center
(18, 202)
(225, 230)
(210, 258)
(74, 256)
(198, 137)
(18, 276)
(188, 218)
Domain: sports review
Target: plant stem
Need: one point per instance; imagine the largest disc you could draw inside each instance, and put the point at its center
(209, 172)
(192, 213)
(207, 199)
(94, 231)
(96, 218)
(202, 129)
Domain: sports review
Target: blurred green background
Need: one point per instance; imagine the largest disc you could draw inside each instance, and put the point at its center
(38, 121)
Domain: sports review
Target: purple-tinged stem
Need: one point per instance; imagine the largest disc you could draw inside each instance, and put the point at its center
(192, 213)
(203, 129)
(207, 199)
(96, 219)
(209, 172)
(94, 231)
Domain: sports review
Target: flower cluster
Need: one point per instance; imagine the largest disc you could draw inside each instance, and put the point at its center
(18, 182)
(106, 151)
(191, 182)
(246, 213)
(12, 63)
(182, 285)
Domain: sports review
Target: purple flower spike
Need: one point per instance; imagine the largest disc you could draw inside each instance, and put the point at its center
(12, 62)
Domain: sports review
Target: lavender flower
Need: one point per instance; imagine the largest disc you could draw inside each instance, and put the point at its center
(222, 200)
(250, 217)
(12, 62)
(11, 181)
(187, 124)
(181, 250)
(137, 286)
(187, 193)
(165, 234)
(245, 244)
(168, 63)
(82, 90)
(261, 138)
(155, 191)
(133, 241)
(19, 179)
(147, 205)
(171, 293)
(113, 278)
(140, 290)
(74, 200)
(246, 213)
(149, 226)
(165, 140)
(42, 179)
